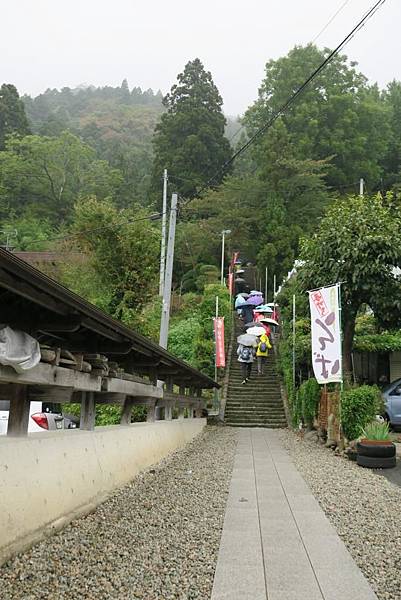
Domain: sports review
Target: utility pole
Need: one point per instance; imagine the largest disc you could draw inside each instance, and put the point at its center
(361, 185)
(168, 277)
(266, 284)
(223, 233)
(163, 244)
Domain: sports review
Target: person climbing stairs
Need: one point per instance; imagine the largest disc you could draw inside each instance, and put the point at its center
(258, 403)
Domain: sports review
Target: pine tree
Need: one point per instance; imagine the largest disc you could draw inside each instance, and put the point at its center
(12, 113)
(189, 140)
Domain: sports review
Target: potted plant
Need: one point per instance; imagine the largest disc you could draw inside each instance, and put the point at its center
(375, 448)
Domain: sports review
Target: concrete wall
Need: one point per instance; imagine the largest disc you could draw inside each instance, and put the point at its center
(46, 480)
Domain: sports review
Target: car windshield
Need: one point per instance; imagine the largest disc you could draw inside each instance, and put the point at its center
(391, 385)
(4, 405)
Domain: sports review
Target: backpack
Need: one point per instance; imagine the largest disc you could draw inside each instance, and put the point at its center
(245, 353)
(262, 346)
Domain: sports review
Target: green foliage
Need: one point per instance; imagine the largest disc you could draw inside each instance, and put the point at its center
(106, 414)
(31, 232)
(376, 431)
(122, 248)
(387, 341)
(183, 339)
(358, 243)
(189, 140)
(338, 116)
(358, 408)
(309, 397)
(48, 174)
(12, 114)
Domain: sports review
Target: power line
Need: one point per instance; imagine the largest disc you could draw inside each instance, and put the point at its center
(329, 22)
(295, 95)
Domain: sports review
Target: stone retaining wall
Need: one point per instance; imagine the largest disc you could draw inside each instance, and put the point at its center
(46, 480)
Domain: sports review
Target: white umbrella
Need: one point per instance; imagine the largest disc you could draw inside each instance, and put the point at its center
(247, 340)
(256, 331)
(270, 321)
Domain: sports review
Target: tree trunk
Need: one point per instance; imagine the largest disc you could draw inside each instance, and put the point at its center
(348, 338)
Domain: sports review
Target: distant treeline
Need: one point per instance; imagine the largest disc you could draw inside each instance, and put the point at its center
(69, 103)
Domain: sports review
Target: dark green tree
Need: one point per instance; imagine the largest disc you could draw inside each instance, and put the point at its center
(189, 140)
(338, 115)
(12, 113)
(358, 243)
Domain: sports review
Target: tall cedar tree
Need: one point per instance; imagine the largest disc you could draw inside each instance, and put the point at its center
(189, 140)
(12, 113)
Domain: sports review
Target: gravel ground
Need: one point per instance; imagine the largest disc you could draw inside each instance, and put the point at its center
(157, 538)
(362, 505)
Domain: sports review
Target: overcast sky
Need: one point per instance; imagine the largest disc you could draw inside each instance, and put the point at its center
(56, 43)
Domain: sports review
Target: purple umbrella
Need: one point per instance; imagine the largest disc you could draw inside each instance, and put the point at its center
(255, 300)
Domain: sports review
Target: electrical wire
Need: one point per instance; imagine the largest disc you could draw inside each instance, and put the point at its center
(329, 22)
(295, 95)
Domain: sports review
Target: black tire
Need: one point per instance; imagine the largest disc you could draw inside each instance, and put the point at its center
(375, 463)
(376, 450)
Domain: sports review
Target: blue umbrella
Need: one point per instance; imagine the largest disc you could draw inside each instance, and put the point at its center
(264, 308)
(239, 301)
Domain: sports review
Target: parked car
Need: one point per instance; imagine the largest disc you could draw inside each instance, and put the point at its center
(392, 401)
(43, 416)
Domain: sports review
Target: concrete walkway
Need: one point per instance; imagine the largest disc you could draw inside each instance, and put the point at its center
(277, 544)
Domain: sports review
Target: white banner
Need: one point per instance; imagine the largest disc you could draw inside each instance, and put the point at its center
(326, 334)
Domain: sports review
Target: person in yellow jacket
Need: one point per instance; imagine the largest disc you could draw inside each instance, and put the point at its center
(261, 353)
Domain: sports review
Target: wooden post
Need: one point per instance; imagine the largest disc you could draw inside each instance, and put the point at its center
(88, 411)
(151, 411)
(19, 411)
(126, 411)
(181, 411)
(198, 412)
(168, 411)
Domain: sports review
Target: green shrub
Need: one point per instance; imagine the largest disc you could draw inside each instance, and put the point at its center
(309, 396)
(358, 408)
(376, 431)
(182, 337)
(107, 414)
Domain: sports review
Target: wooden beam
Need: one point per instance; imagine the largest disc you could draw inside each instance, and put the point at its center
(31, 293)
(48, 375)
(88, 411)
(18, 417)
(101, 329)
(110, 398)
(57, 395)
(131, 388)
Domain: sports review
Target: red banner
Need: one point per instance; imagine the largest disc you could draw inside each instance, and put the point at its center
(231, 282)
(219, 339)
(234, 258)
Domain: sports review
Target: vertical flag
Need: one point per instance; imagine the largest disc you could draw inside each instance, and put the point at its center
(326, 334)
(219, 339)
(231, 282)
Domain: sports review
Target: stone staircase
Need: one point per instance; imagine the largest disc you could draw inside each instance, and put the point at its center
(258, 403)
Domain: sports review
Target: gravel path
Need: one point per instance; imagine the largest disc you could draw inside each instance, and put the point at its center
(363, 506)
(155, 539)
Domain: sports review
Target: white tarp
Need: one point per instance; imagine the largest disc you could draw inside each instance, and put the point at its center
(18, 350)
(326, 334)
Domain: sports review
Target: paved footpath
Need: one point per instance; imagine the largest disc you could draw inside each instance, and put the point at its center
(277, 543)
